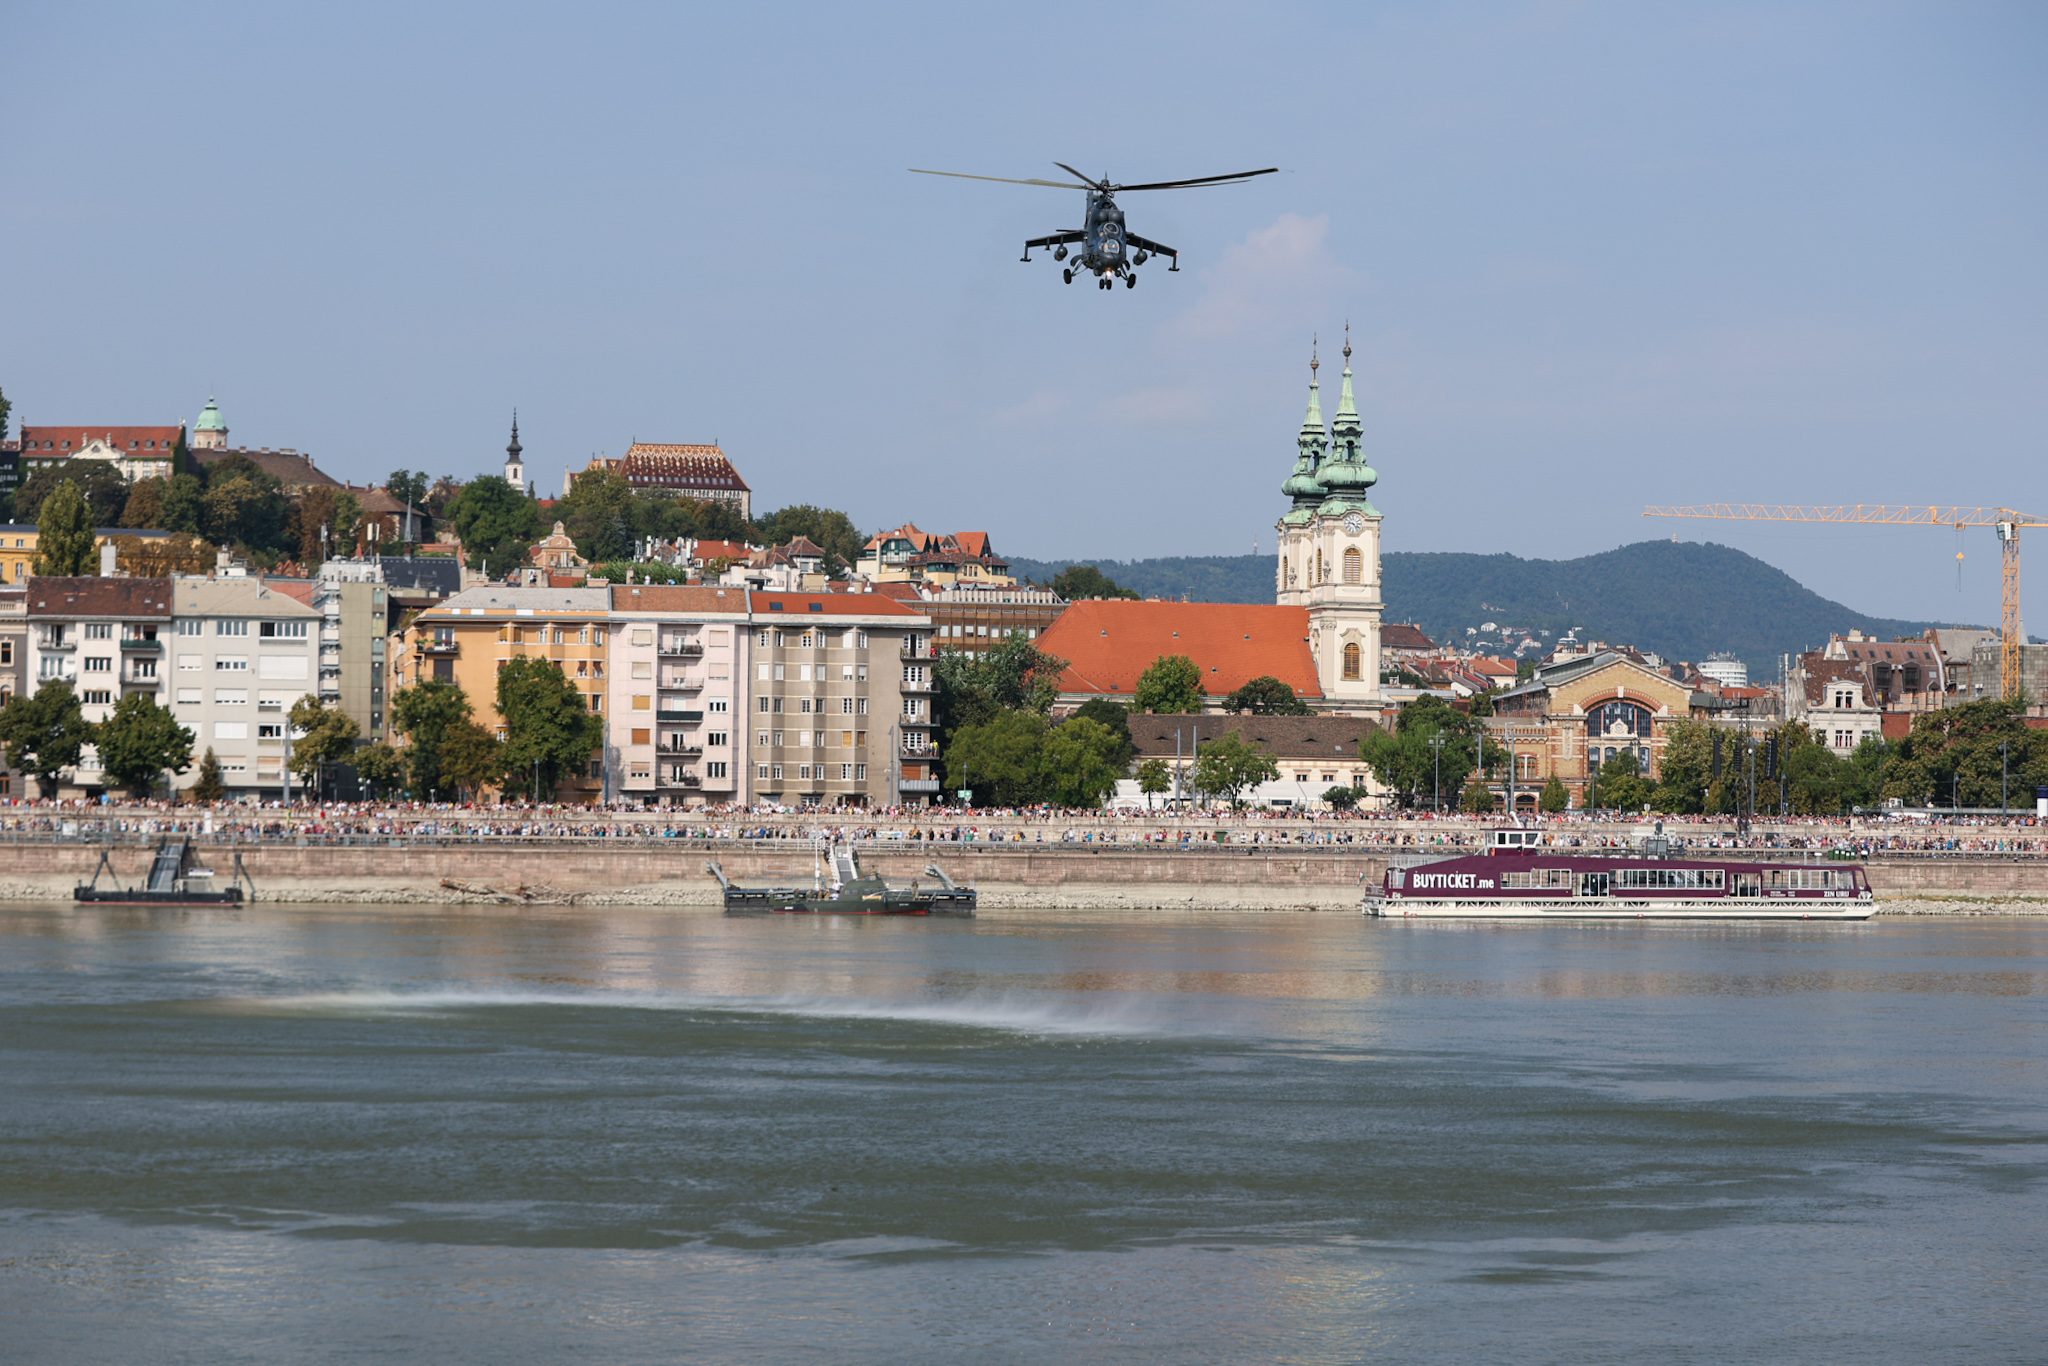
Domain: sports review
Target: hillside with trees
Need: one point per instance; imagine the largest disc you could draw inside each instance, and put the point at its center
(1683, 600)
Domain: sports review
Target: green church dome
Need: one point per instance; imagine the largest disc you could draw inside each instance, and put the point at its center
(210, 419)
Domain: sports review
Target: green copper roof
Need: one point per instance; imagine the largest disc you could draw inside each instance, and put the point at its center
(1311, 446)
(1345, 476)
(210, 419)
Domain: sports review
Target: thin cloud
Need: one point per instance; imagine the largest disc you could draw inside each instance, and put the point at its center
(1270, 278)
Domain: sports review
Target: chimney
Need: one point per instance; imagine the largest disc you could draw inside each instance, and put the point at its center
(107, 554)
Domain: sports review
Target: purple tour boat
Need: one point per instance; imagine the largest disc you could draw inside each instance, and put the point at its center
(1517, 876)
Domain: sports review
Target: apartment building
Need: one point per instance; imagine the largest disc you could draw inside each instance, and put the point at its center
(104, 637)
(13, 661)
(353, 602)
(678, 695)
(242, 654)
(468, 638)
(840, 706)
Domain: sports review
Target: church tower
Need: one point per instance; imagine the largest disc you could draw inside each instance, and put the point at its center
(515, 467)
(1330, 550)
(210, 432)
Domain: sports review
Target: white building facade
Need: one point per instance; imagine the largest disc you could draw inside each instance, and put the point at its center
(240, 654)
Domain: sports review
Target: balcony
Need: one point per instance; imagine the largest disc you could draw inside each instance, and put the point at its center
(666, 778)
(921, 756)
(919, 785)
(436, 647)
(681, 649)
(678, 718)
(922, 685)
(49, 643)
(687, 684)
(141, 645)
(910, 651)
(687, 751)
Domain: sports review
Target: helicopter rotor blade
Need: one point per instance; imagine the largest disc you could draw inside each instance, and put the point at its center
(1092, 184)
(1002, 180)
(1233, 179)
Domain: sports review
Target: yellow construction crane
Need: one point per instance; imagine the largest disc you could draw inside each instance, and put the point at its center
(2004, 520)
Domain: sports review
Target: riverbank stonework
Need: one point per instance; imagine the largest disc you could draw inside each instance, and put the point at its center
(1009, 877)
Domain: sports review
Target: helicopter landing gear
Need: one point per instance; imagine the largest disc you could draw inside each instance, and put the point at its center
(1131, 280)
(1067, 275)
(1107, 282)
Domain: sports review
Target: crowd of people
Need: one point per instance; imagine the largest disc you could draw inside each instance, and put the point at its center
(335, 823)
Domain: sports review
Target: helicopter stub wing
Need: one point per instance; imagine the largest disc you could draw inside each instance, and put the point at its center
(1147, 244)
(1057, 239)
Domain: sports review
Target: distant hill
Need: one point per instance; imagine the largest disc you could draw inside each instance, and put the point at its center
(1681, 600)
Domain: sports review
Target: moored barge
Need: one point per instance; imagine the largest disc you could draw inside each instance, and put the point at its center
(847, 891)
(1516, 877)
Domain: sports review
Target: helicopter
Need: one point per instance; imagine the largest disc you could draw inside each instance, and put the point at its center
(1107, 249)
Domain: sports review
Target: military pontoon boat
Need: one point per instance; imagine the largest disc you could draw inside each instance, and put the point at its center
(848, 891)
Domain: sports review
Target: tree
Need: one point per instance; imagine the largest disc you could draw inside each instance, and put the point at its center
(472, 758)
(64, 533)
(1226, 766)
(101, 486)
(381, 766)
(1080, 763)
(424, 714)
(139, 741)
(1952, 756)
(1406, 761)
(1555, 798)
(1618, 783)
(1153, 778)
(998, 757)
(495, 522)
(1478, 799)
(184, 504)
(443, 492)
(1267, 696)
(44, 732)
(547, 722)
(243, 506)
(1173, 683)
(1863, 775)
(973, 687)
(209, 787)
(1080, 581)
(145, 506)
(832, 532)
(1686, 767)
(325, 507)
(159, 557)
(408, 486)
(322, 735)
(1340, 798)
(1115, 715)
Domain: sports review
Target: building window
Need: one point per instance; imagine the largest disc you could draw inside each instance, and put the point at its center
(1354, 565)
(231, 628)
(1352, 657)
(99, 664)
(282, 630)
(715, 738)
(846, 706)
(231, 664)
(188, 697)
(860, 773)
(760, 770)
(99, 630)
(777, 771)
(714, 769)
(98, 695)
(761, 704)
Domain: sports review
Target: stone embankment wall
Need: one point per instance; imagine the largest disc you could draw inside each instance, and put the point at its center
(1067, 875)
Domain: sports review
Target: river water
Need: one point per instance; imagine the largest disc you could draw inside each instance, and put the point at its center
(344, 1134)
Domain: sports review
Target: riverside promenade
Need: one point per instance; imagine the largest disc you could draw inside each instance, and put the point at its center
(1019, 860)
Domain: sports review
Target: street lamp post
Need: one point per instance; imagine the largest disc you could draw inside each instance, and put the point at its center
(1436, 743)
(2001, 778)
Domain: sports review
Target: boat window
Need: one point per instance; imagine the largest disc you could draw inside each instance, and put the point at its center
(1805, 879)
(1539, 879)
(1686, 878)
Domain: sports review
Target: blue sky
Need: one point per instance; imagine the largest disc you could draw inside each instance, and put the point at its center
(1594, 256)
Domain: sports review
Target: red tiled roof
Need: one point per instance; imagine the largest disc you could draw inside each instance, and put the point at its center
(901, 591)
(832, 604)
(56, 441)
(299, 590)
(682, 599)
(726, 550)
(648, 464)
(1108, 643)
(1399, 635)
(85, 596)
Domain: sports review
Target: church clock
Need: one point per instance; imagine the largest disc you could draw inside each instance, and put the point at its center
(1353, 524)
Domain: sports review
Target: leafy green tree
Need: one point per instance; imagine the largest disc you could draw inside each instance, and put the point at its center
(1172, 684)
(1686, 767)
(1154, 778)
(1620, 784)
(1081, 581)
(999, 758)
(472, 758)
(210, 787)
(1117, 717)
(184, 505)
(1080, 763)
(145, 506)
(1952, 756)
(139, 741)
(64, 533)
(1555, 797)
(333, 510)
(1012, 674)
(644, 572)
(44, 732)
(425, 714)
(408, 486)
(547, 722)
(1813, 774)
(381, 766)
(1226, 766)
(1408, 764)
(1340, 798)
(832, 532)
(496, 523)
(1267, 696)
(444, 491)
(6, 409)
(1478, 798)
(1863, 775)
(322, 735)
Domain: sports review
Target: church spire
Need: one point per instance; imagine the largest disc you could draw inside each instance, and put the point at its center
(1311, 445)
(515, 464)
(1347, 432)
